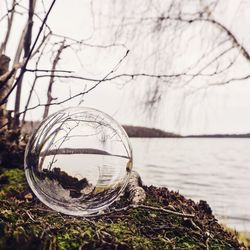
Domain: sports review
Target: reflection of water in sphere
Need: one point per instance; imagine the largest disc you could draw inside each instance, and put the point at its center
(78, 161)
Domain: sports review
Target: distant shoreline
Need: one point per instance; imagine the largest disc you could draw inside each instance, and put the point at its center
(146, 132)
(219, 136)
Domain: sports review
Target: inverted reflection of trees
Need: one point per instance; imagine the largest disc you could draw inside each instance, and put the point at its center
(57, 125)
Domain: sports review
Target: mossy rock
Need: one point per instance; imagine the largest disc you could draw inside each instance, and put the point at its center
(25, 223)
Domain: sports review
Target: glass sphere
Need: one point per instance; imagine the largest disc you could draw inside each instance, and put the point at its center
(78, 161)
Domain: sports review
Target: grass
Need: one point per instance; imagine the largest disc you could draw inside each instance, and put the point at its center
(242, 237)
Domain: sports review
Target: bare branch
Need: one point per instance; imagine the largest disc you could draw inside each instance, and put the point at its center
(4, 100)
(9, 27)
(54, 64)
(34, 82)
(81, 93)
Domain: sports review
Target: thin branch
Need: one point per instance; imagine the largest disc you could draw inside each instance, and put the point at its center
(160, 209)
(12, 9)
(23, 69)
(217, 84)
(34, 82)
(81, 93)
(208, 20)
(9, 27)
(54, 64)
(131, 76)
(50, 71)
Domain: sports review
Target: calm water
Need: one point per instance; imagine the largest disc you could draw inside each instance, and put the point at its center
(215, 170)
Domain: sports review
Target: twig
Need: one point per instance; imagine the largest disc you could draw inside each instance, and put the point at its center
(161, 209)
(80, 93)
(207, 246)
(31, 217)
(207, 240)
(9, 27)
(49, 91)
(50, 71)
(23, 69)
(164, 210)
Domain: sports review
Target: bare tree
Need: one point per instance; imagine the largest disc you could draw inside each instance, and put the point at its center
(174, 45)
(26, 44)
(30, 48)
(27, 48)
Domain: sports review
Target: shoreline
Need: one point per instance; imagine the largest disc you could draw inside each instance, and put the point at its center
(147, 132)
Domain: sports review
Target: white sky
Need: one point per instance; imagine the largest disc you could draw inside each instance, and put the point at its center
(221, 110)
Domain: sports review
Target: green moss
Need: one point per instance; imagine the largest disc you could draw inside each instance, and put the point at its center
(67, 241)
(28, 224)
(185, 242)
(15, 181)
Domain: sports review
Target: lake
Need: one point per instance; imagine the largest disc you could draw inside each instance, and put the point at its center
(215, 170)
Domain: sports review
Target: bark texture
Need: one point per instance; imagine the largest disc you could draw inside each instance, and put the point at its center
(4, 87)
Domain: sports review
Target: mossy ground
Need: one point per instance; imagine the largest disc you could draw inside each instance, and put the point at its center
(25, 223)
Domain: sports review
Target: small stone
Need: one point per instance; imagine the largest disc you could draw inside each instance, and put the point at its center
(28, 196)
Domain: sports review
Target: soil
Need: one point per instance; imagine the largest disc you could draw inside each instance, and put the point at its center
(25, 223)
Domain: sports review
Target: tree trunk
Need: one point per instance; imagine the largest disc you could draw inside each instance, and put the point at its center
(4, 88)
(26, 48)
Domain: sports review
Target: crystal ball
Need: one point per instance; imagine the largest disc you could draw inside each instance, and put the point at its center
(78, 161)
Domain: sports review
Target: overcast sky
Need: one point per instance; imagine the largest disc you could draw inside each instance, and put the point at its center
(218, 110)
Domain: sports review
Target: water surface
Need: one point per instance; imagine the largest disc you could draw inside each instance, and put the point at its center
(215, 170)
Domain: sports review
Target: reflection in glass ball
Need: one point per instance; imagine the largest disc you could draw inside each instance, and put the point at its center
(78, 161)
